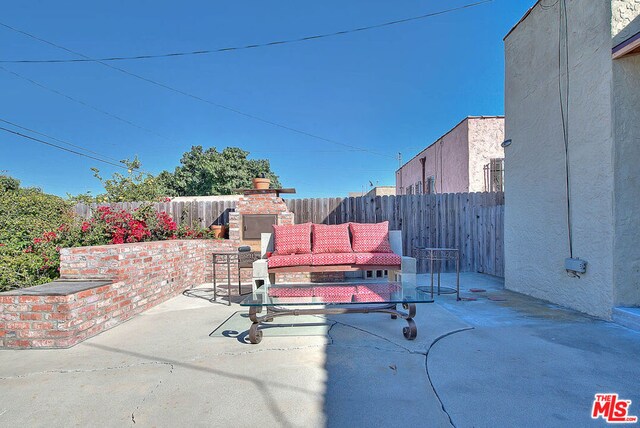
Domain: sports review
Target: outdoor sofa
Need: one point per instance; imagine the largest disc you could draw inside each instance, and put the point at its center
(331, 248)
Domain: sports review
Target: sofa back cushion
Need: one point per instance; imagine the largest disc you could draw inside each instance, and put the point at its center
(331, 238)
(370, 237)
(292, 239)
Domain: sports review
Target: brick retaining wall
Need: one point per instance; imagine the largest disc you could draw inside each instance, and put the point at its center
(136, 277)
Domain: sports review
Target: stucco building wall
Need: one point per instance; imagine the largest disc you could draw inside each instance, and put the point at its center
(456, 160)
(485, 138)
(536, 236)
(625, 22)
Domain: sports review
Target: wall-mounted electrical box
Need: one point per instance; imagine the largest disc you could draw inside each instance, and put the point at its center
(575, 265)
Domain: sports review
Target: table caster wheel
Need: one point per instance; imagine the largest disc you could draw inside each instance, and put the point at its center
(410, 332)
(255, 335)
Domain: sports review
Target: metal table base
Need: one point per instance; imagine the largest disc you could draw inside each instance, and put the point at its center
(227, 259)
(410, 332)
(439, 255)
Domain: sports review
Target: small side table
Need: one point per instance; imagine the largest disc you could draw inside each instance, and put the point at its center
(439, 255)
(228, 258)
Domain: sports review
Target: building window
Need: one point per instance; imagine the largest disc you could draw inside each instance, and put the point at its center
(494, 175)
(410, 190)
(419, 188)
(431, 185)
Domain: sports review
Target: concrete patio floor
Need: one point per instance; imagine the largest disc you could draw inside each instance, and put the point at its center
(501, 360)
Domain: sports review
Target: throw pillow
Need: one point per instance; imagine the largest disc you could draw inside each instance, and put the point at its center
(370, 237)
(331, 238)
(292, 239)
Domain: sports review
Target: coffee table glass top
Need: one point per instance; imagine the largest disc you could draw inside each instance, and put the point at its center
(350, 293)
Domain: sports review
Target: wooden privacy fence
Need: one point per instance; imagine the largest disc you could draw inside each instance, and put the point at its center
(193, 214)
(471, 222)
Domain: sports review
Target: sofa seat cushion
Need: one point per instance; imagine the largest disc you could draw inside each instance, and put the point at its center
(334, 294)
(331, 238)
(333, 259)
(370, 237)
(387, 288)
(378, 259)
(376, 292)
(278, 260)
(290, 292)
(292, 239)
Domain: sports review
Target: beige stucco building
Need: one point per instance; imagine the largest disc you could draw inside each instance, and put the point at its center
(468, 158)
(596, 77)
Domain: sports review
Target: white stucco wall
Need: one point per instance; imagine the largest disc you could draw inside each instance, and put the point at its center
(625, 22)
(536, 242)
(486, 135)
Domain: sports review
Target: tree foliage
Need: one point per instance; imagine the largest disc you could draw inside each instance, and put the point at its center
(210, 172)
(135, 185)
(200, 173)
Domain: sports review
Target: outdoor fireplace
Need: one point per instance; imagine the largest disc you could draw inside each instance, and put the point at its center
(253, 225)
(256, 212)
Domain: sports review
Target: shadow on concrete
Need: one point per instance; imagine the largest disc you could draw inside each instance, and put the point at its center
(263, 386)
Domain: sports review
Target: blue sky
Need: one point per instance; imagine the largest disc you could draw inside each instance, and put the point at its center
(388, 90)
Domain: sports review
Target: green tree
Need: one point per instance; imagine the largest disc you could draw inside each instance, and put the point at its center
(210, 172)
(135, 185)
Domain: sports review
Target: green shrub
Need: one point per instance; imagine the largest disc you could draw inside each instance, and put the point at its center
(26, 213)
(34, 227)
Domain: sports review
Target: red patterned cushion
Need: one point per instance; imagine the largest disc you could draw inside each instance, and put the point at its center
(378, 259)
(333, 259)
(370, 237)
(372, 297)
(289, 260)
(334, 294)
(292, 239)
(388, 288)
(331, 238)
(290, 292)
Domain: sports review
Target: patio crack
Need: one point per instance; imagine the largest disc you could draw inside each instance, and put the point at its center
(67, 371)
(133, 417)
(426, 365)
(403, 348)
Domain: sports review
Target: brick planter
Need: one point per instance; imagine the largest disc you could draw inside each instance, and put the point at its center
(100, 287)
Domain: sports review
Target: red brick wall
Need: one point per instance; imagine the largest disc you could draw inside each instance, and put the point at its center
(143, 274)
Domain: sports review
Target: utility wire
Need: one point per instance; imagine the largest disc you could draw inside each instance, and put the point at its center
(252, 46)
(61, 148)
(196, 97)
(562, 13)
(85, 104)
(58, 140)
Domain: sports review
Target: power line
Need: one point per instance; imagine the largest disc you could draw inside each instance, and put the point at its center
(252, 46)
(58, 140)
(83, 103)
(61, 148)
(196, 97)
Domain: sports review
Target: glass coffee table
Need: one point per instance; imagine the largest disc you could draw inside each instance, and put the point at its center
(334, 298)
